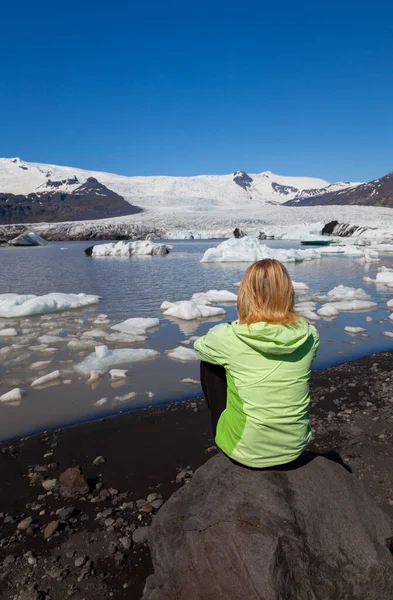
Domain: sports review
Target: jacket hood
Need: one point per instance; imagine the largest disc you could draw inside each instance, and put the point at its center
(273, 339)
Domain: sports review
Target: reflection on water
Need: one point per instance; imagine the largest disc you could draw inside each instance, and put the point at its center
(136, 287)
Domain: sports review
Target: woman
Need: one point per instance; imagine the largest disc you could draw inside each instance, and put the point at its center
(263, 418)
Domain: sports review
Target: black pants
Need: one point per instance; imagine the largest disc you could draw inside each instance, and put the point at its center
(214, 386)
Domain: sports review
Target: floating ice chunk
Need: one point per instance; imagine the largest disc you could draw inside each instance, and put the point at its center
(136, 325)
(309, 315)
(50, 339)
(22, 305)
(9, 332)
(384, 277)
(369, 319)
(67, 381)
(384, 269)
(166, 304)
(95, 376)
(237, 284)
(385, 333)
(124, 338)
(214, 297)
(81, 344)
(369, 257)
(150, 394)
(101, 401)
(299, 286)
(354, 330)
(115, 357)
(46, 378)
(118, 373)
(368, 279)
(137, 248)
(28, 238)
(189, 310)
(390, 303)
(189, 380)
(306, 305)
(5, 351)
(101, 351)
(126, 397)
(94, 333)
(349, 305)
(343, 292)
(14, 395)
(40, 364)
(328, 310)
(182, 354)
(248, 249)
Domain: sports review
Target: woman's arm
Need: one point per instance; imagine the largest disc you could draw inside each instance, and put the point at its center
(213, 347)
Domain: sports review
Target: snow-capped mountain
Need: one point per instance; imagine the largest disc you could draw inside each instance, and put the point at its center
(203, 192)
(378, 192)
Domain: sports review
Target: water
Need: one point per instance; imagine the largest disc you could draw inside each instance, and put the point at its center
(136, 287)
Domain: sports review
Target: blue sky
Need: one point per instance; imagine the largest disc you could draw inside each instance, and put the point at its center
(183, 88)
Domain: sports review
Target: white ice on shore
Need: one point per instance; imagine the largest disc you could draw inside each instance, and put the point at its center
(46, 378)
(249, 249)
(137, 325)
(14, 395)
(114, 357)
(189, 310)
(26, 305)
(354, 330)
(182, 354)
(137, 248)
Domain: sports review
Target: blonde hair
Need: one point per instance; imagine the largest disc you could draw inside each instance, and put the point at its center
(266, 294)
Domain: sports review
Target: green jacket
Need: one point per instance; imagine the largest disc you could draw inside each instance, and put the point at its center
(266, 421)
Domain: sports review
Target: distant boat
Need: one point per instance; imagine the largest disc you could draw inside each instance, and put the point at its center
(316, 242)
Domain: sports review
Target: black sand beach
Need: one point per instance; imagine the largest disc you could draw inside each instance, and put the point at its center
(94, 547)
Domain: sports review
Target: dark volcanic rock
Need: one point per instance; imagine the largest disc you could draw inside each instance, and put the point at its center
(72, 483)
(310, 533)
(238, 233)
(89, 251)
(242, 179)
(378, 192)
(90, 200)
(342, 229)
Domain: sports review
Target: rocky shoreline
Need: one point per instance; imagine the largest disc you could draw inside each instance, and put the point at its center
(75, 503)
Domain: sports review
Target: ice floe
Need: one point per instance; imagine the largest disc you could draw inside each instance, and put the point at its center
(189, 310)
(14, 395)
(118, 373)
(137, 248)
(81, 344)
(328, 310)
(343, 292)
(46, 379)
(95, 376)
(354, 330)
(124, 338)
(249, 249)
(40, 364)
(125, 397)
(137, 325)
(349, 305)
(25, 305)
(385, 333)
(104, 359)
(214, 297)
(190, 381)
(101, 401)
(182, 354)
(9, 332)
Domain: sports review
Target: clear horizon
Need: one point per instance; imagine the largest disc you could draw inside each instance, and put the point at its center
(171, 90)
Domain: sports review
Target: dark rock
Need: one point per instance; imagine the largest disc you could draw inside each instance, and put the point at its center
(9, 560)
(300, 534)
(243, 180)
(66, 513)
(126, 542)
(238, 233)
(80, 561)
(99, 460)
(140, 535)
(89, 251)
(72, 483)
(25, 524)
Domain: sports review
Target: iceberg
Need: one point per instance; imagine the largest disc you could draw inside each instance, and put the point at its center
(349, 305)
(46, 379)
(328, 310)
(28, 239)
(248, 249)
(189, 310)
(343, 292)
(137, 248)
(214, 297)
(27, 305)
(182, 354)
(354, 330)
(136, 325)
(110, 358)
